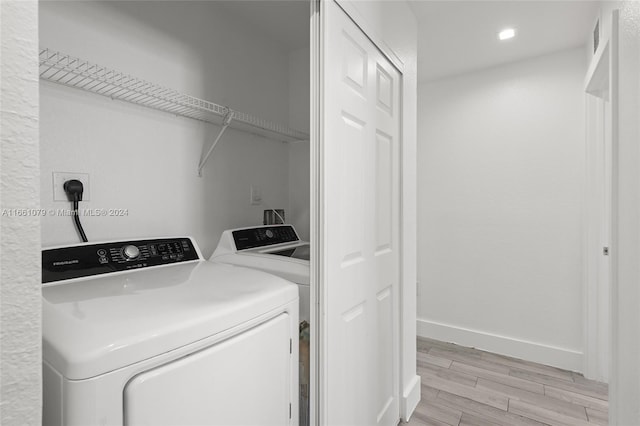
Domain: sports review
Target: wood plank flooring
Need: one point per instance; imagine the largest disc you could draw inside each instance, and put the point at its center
(468, 387)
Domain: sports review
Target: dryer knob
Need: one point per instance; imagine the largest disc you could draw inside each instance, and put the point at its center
(269, 233)
(130, 252)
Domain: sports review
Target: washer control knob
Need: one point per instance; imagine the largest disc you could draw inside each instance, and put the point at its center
(269, 233)
(130, 252)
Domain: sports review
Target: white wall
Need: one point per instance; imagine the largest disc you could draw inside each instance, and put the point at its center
(145, 161)
(501, 171)
(299, 116)
(299, 81)
(393, 28)
(625, 293)
(299, 192)
(20, 295)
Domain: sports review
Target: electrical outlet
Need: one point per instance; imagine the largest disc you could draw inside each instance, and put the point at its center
(256, 195)
(59, 178)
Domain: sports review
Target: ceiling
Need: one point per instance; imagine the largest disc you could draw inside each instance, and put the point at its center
(456, 37)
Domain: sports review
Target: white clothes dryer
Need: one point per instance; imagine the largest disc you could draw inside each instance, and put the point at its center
(147, 332)
(276, 249)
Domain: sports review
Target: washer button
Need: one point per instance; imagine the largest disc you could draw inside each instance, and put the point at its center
(130, 252)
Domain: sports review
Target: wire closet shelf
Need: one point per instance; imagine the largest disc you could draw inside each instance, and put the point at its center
(67, 70)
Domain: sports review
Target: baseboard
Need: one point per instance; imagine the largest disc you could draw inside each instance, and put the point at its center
(410, 398)
(566, 359)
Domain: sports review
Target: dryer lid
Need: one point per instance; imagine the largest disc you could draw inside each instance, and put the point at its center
(99, 324)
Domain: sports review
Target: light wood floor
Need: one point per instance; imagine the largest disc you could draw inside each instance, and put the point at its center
(464, 386)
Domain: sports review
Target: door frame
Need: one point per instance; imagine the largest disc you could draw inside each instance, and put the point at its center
(316, 370)
(601, 116)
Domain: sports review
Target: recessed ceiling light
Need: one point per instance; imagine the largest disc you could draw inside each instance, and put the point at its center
(507, 33)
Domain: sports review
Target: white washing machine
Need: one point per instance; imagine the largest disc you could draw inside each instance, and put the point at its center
(147, 332)
(276, 249)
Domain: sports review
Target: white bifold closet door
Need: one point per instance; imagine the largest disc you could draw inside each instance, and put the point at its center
(361, 156)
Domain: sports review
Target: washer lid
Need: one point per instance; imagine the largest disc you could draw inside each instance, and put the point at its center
(291, 269)
(96, 325)
(301, 252)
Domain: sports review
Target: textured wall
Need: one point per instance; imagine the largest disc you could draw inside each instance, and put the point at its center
(20, 327)
(624, 388)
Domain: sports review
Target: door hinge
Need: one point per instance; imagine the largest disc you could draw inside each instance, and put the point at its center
(605, 251)
(290, 346)
(289, 410)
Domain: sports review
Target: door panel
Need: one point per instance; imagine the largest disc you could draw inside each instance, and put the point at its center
(360, 148)
(384, 194)
(352, 228)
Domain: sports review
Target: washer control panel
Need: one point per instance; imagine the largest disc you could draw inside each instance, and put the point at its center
(264, 236)
(96, 259)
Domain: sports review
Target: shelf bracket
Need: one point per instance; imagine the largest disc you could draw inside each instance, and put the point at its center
(225, 124)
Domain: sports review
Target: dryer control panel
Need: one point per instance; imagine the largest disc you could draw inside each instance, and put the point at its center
(264, 236)
(95, 259)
